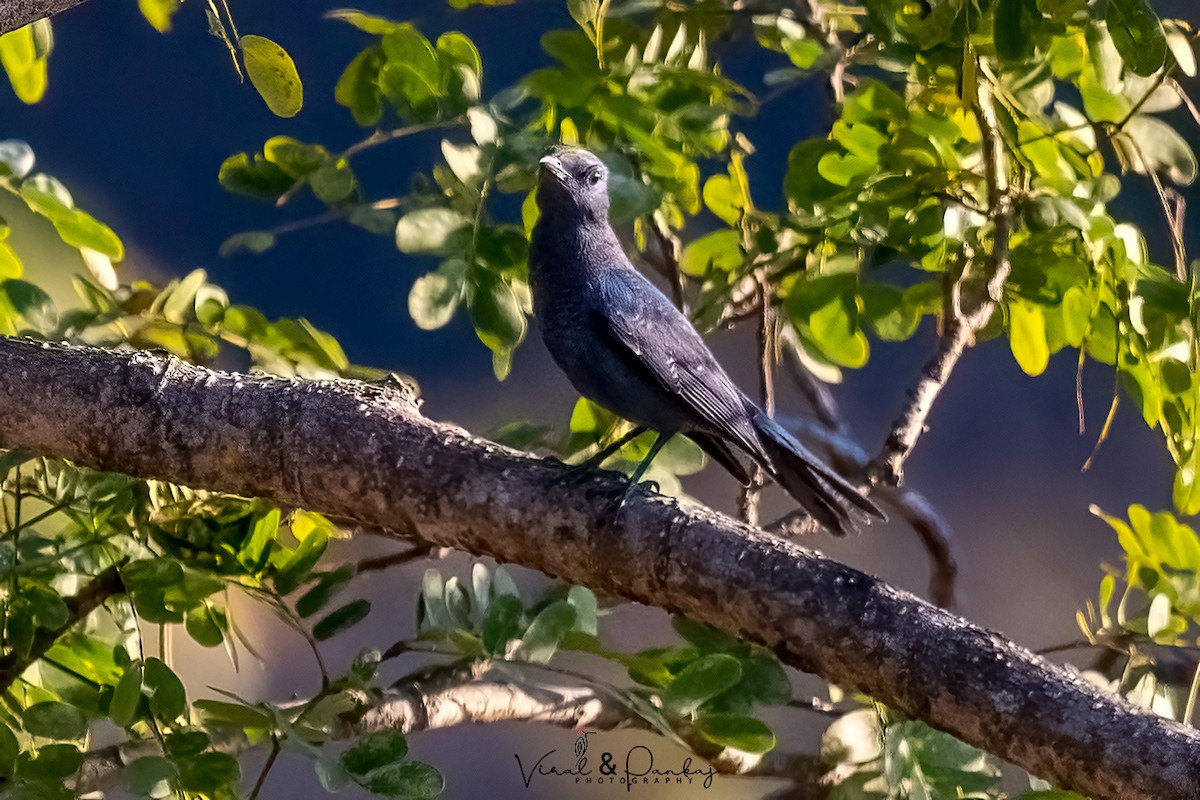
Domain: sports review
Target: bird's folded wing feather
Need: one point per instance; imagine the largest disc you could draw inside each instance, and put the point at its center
(640, 322)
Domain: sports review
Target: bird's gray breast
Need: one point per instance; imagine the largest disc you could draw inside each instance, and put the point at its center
(572, 326)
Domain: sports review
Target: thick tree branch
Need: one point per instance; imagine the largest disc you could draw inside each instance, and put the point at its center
(89, 598)
(911, 506)
(19, 13)
(364, 452)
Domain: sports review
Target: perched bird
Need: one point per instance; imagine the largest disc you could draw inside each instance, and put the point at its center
(624, 345)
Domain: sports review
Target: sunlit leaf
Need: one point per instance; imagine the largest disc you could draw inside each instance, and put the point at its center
(739, 732)
(273, 74)
(159, 12)
(1138, 35)
(1027, 337)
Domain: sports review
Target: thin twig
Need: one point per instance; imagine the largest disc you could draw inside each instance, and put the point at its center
(959, 332)
(750, 495)
(379, 563)
(382, 137)
(262, 776)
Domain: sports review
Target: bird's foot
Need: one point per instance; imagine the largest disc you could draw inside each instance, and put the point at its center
(649, 486)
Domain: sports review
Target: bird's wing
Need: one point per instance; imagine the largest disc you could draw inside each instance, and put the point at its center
(642, 324)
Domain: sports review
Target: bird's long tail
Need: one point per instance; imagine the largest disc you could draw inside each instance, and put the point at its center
(817, 488)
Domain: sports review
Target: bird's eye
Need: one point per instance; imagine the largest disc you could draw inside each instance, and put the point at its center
(593, 177)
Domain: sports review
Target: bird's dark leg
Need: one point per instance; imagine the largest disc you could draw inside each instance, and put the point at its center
(594, 461)
(584, 469)
(659, 444)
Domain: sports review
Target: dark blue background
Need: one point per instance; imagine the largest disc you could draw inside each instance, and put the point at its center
(137, 123)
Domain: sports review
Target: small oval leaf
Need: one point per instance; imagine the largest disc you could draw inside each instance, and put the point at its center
(273, 74)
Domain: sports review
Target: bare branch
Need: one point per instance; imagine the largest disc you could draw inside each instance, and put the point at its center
(962, 325)
(750, 495)
(364, 452)
(89, 598)
(479, 693)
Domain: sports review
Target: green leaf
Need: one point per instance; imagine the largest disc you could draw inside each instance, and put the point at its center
(1027, 337)
(273, 74)
(461, 72)
(168, 699)
(718, 250)
(158, 14)
(294, 570)
(1186, 492)
(123, 707)
(367, 23)
(25, 67)
(235, 714)
(208, 772)
(435, 296)
(499, 319)
(411, 75)
(458, 605)
(701, 680)
(584, 602)
(186, 743)
(341, 619)
(833, 328)
(54, 720)
(1137, 34)
(294, 157)
(206, 625)
(543, 635)
(374, 220)
(732, 730)
(502, 623)
(375, 750)
(54, 762)
(358, 87)
(9, 748)
(1014, 29)
(410, 780)
(722, 197)
(333, 182)
(16, 159)
(889, 316)
(151, 776)
(764, 678)
(1152, 144)
(431, 609)
(249, 241)
(465, 161)
(256, 178)
(46, 196)
(430, 230)
(257, 546)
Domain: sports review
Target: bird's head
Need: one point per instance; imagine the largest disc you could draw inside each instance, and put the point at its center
(574, 181)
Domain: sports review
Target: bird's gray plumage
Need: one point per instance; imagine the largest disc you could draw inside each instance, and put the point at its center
(624, 345)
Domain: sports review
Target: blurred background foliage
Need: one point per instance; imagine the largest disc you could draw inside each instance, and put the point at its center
(870, 133)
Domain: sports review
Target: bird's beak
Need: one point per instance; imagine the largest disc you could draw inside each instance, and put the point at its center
(554, 166)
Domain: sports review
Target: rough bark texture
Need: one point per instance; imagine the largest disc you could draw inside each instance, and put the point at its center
(364, 452)
(18, 13)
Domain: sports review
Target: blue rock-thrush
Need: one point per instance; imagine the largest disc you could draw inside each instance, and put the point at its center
(624, 345)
